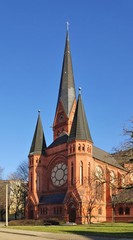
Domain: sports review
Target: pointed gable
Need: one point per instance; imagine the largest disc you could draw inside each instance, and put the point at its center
(38, 143)
(67, 93)
(80, 129)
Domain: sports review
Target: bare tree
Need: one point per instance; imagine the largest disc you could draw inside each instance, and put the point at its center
(1, 172)
(19, 189)
(124, 154)
(92, 195)
(2, 199)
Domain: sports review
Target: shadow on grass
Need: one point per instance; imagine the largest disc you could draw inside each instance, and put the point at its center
(97, 234)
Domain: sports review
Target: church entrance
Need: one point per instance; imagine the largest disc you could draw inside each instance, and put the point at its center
(72, 214)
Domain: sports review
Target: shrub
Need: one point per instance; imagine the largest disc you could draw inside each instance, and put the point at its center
(26, 222)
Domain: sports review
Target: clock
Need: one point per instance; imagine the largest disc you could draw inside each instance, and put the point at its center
(59, 174)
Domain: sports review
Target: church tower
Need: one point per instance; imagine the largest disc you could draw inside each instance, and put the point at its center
(79, 159)
(66, 103)
(36, 171)
(61, 174)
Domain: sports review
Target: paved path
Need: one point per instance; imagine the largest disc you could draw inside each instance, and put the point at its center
(6, 233)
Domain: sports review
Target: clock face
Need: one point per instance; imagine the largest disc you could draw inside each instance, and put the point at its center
(59, 174)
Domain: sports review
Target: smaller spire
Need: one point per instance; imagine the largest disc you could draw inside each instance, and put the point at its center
(38, 145)
(80, 129)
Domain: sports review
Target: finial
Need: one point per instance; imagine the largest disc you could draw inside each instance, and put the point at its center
(67, 29)
(79, 90)
(39, 111)
(67, 26)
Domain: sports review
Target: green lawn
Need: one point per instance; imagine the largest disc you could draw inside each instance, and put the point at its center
(114, 229)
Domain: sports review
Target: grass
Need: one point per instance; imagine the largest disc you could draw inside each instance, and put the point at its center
(106, 229)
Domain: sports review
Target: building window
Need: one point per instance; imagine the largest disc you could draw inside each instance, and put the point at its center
(57, 210)
(99, 191)
(89, 149)
(100, 211)
(38, 182)
(99, 172)
(31, 182)
(81, 173)
(72, 174)
(79, 147)
(73, 147)
(112, 176)
(83, 147)
(127, 211)
(121, 211)
(88, 173)
(70, 148)
(44, 211)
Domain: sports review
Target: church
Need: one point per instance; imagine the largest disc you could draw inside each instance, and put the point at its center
(71, 179)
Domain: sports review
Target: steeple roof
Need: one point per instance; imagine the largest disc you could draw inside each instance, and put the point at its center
(67, 93)
(80, 129)
(38, 143)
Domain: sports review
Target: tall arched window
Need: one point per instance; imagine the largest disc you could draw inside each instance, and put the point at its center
(31, 182)
(72, 174)
(120, 210)
(79, 147)
(38, 182)
(127, 211)
(83, 147)
(81, 173)
(88, 173)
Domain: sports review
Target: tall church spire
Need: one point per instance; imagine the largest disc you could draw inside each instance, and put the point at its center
(67, 93)
(80, 129)
(38, 143)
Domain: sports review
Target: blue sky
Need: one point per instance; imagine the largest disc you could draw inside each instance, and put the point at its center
(32, 39)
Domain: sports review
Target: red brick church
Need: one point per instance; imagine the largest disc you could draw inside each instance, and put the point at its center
(71, 179)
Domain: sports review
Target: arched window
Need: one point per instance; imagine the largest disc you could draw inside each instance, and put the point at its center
(100, 211)
(79, 147)
(31, 182)
(88, 173)
(99, 172)
(127, 211)
(73, 147)
(38, 182)
(83, 147)
(72, 174)
(70, 148)
(112, 176)
(81, 173)
(99, 191)
(120, 210)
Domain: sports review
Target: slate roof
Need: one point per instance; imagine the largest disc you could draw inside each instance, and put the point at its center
(67, 93)
(80, 129)
(38, 145)
(52, 198)
(105, 157)
(58, 141)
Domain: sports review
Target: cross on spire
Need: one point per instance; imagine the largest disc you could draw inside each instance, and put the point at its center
(79, 90)
(67, 26)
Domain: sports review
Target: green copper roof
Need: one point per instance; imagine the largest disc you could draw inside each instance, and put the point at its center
(67, 93)
(38, 143)
(80, 129)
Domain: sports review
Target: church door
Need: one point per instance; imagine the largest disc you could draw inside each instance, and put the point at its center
(72, 215)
